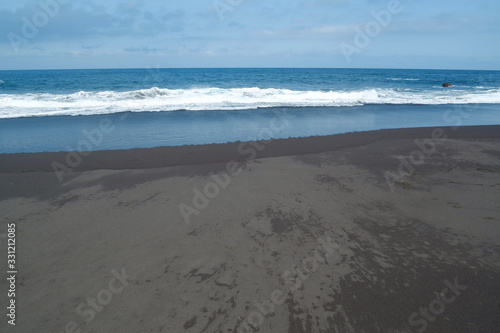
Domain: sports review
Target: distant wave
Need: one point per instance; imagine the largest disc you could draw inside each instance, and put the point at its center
(2, 82)
(156, 99)
(400, 79)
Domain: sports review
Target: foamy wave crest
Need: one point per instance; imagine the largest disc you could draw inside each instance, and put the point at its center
(156, 99)
(401, 79)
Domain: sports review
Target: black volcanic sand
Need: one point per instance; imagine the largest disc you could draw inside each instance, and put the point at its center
(311, 224)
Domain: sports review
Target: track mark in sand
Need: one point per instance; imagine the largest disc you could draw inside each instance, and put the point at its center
(334, 182)
(485, 169)
(296, 324)
(190, 323)
(282, 222)
(454, 204)
(66, 199)
(203, 276)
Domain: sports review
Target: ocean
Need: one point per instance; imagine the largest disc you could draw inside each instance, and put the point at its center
(101, 109)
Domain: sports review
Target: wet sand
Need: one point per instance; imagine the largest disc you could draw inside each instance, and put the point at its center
(361, 232)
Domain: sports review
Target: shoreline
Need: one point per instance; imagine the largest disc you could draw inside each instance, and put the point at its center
(169, 156)
(140, 130)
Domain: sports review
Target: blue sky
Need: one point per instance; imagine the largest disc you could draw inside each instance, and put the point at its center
(53, 34)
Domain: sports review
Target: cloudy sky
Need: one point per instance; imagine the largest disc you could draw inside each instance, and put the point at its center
(53, 34)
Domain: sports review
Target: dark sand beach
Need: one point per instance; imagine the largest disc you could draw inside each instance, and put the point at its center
(361, 232)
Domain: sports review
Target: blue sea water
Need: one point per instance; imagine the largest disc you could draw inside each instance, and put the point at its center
(67, 110)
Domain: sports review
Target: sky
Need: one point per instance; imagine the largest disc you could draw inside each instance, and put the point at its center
(71, 34)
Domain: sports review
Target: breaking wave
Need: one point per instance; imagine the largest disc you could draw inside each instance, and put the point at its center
(156, 99)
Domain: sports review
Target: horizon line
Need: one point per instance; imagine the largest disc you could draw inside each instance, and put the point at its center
(350, 68)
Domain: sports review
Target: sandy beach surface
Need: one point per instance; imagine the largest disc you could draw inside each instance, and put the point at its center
(385, 231)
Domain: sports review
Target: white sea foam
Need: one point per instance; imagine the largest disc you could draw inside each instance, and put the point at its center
(401, 79)
(156, 99)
